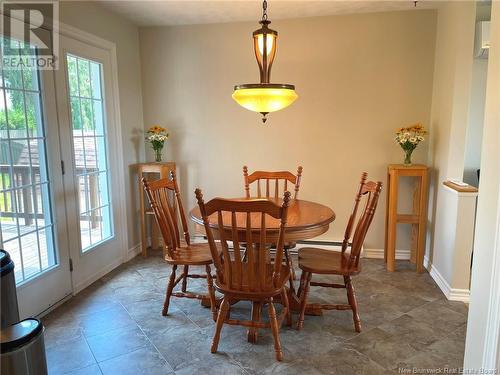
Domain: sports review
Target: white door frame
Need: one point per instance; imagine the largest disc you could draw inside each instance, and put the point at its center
(118, 191)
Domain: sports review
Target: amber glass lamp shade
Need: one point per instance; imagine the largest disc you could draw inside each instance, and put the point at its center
(264, 98)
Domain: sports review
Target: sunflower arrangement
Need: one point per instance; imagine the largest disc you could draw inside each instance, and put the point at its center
(409, 138)
(157, 135)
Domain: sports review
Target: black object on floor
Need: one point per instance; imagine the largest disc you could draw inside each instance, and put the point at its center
(9, 312)
(22, 349)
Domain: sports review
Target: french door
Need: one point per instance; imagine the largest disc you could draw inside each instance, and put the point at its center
(61, 200)
(32, 212)
(90, 143)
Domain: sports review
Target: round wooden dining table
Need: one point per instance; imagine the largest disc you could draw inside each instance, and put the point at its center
(305, 220)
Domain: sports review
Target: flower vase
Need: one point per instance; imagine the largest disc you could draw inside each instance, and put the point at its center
(407, 161)
(158, 155)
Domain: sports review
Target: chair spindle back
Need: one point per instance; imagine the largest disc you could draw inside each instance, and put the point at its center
(371, 190)
(352, 217)
(166, 202)
(272, 181)
(239, 273)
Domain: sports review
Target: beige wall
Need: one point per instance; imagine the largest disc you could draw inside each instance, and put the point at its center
(358, 78)
(93, 19)
(450, 108)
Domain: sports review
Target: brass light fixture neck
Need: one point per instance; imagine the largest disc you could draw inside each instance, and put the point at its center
(265, 29)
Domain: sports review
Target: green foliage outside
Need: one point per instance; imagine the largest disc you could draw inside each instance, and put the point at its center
(17, 119)
(80, 80)
(81, 90)
(15, 116)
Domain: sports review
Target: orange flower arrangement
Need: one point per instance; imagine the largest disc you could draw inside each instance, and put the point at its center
(409, 138)
(157, 135)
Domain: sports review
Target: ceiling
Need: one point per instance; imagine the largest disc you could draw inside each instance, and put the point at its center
(185, 12)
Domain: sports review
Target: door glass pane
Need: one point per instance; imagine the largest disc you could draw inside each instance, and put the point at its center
(89, 150)
(26, 223)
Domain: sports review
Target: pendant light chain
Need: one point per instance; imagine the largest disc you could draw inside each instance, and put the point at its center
(264, 10)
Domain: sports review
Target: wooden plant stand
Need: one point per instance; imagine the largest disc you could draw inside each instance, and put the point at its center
(417, 219)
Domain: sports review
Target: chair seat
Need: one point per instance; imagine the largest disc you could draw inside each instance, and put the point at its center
(322, 261)
(197, 254)
(245, 291)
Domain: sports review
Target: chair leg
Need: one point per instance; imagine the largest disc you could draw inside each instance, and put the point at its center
(351, 297)
(286, 304)
(276, 333)
(290, 263)
(184, 280)
(218, 326)
(291, 278)
(301, 284)
(303, 301)
(170, 288)
(211, 293)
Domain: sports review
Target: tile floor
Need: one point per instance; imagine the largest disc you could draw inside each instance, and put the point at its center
(115, 327)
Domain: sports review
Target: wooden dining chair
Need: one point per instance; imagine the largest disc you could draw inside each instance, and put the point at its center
(255, 278)
(273, 182)
(272, 189)
(166, 203)
(327, 262)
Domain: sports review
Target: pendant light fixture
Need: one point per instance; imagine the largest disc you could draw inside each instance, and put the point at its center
(264, 97)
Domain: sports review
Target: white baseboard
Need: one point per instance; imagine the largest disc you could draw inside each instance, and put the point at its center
(379, 254)
(462, 295)
(450, 293)
(96, 276)
(427, 262)
(329, 245)
(131, 253)
(54, 306)
(439, 279)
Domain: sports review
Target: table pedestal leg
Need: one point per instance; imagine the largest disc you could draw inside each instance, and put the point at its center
(205, 301)
(252, 333)
(312, 309)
